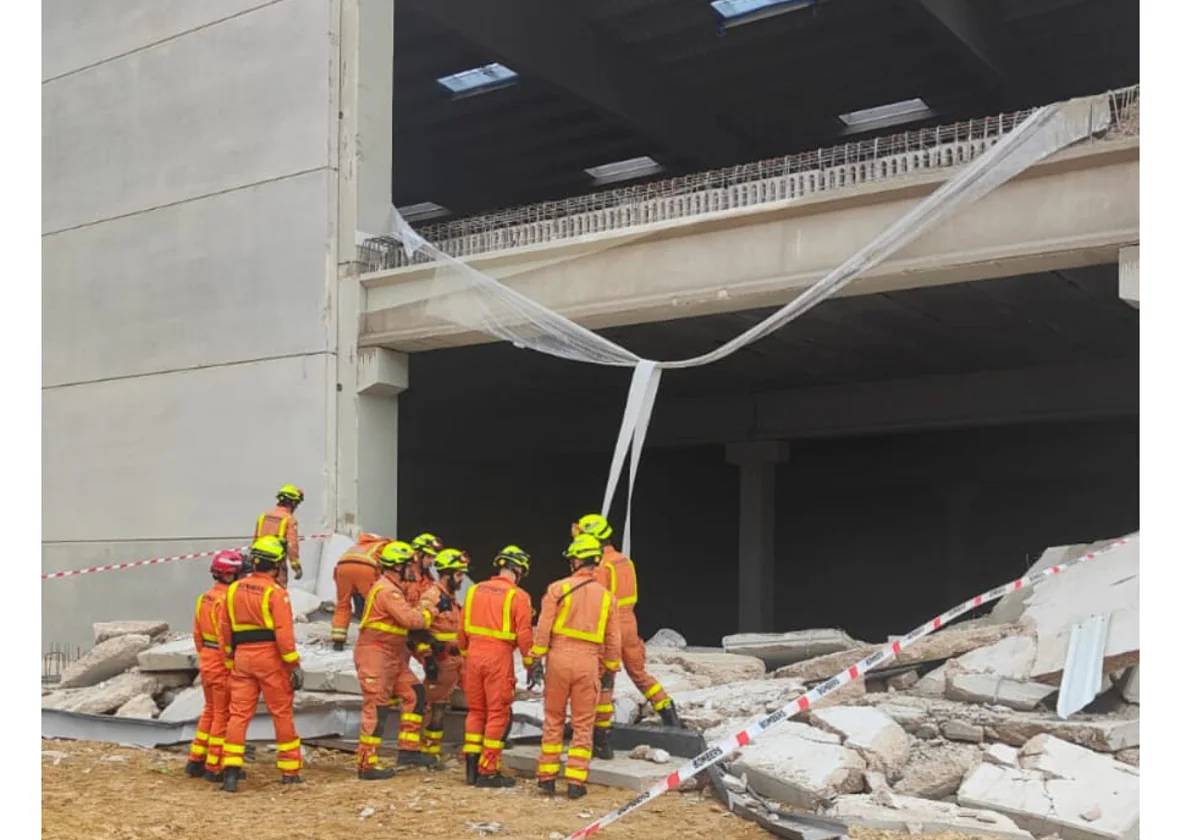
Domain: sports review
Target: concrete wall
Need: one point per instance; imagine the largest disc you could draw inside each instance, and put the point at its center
(189, 198)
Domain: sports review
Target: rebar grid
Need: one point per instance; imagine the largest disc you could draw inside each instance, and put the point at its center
(744, 185)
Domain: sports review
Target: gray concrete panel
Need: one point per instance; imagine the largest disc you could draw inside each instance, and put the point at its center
(233, 277)
(193, 454)
(239, 102)
(80, 33)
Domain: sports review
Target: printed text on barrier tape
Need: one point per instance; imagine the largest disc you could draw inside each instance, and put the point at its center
(730, 745)
(116, 567)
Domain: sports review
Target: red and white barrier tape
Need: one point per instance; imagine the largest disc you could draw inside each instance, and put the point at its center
(730, 745)
(116, 567)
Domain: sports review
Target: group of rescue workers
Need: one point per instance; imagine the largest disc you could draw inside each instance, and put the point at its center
(407, 597)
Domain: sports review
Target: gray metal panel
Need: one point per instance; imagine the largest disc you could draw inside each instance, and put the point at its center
(1084, 668)
(135, 732)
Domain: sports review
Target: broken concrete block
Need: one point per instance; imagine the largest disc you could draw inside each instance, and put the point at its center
(904, 813)
(321, 668)
(706, 708)
(105, 630)
(1002, 755)
(105, 660)
(177, 655)
(943, 644)
(958, 730)
(868, 730)
(935, 770)
(1131, 685)
(791, 768)
(927, 732)
(1061, 787)
(902, 682)
(142, 706)
(1100, 735)
(798, 730)
(719, 668)
(1011, 657)
(303, 603)
(990, 688)
(932, 684)
(1131, 756)
(111, 694)
(908, 717)
(667, 638)
(187, 705)
(780, 649)
(644, 752)
(307, 701)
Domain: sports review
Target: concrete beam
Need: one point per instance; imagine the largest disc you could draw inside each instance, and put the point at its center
(1077, 209)
(546, 39)
(382, 372)
(1128, 275)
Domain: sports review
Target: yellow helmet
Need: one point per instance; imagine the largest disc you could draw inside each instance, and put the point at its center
(584, 547)
(427, 543)
(512, 555)
(451, 560)
(267, 552)
(593, 524)
(396, 554)
(291, 493)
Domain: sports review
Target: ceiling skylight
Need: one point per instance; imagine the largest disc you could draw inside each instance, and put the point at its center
(624, 170)
(477, 80)
(422, 212)
(738, 12)
(894, 113)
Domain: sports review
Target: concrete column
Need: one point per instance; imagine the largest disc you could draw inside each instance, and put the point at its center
(1128, 284)
(756, 461)
(382, 377)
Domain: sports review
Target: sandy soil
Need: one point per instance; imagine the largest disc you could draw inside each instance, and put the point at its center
(92, 790)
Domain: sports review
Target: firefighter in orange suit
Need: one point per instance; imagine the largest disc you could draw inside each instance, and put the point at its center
(616, 572)
(418, 581)
(577, 634)
(257, 637)
(497, 618)
(381, 657)
(204, 759)
(280, 521)
(354, 575)
(443, 666)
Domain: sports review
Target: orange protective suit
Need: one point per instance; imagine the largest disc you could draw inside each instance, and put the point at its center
(354, 575)
(578, 635)
(381, 658)
(257, 635)
(449, 665)
(280, 522)
(214, 679)
(497, 617)
(617, 573)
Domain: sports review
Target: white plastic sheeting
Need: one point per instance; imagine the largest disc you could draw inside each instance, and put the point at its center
(471, 299)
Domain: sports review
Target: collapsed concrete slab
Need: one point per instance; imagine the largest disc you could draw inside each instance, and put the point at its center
(787, 765)
(621, 771)
(105, 660)
(667, 638)
(780, 649)
(1060, 787)
(1002, 755)
(708, 707)
(175, 655)
(105, 697)
(187, 705)
(142, 706)
(879, 738)
(920, 816)
(718, 668)
(1010, 608)
(936, 769)
(990, 688)
(943, 644)
(105, 630)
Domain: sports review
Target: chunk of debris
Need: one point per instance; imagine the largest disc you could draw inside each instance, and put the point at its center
(187, 705)
(935, 770)
(909, 813)
(667, 638)
(177, 655)
(958, 730)
(868, 730)
(1131, 685)
(1002, 755)
(645, 752)
(106, 697)
(932, 684)
(780, 649)
(991, 688)
(104, 661)
(105, 630)
(791, 768)
(902, 682)
(142, 706)
(1131, 756)
(719, 668)
(366, 812)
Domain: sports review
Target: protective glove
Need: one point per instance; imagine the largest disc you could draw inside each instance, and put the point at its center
(431, 669)
(535, 675)
(606, 681)
(297, 570)
(297, 679)
(445, 603)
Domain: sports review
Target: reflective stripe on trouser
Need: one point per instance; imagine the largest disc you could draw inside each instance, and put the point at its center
(633, 657)
(351, 579)
(437, 699)
(572, 676)
(257, 669)
(214, 720)
(386, 684)
(489, 683)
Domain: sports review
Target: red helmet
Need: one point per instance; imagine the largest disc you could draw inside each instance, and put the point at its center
(226, 563)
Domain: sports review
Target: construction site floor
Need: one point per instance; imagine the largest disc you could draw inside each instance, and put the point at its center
(92, 790)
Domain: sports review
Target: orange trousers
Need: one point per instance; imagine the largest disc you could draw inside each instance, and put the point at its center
(489, 683)
(214, 720)
(633, 658)
(387, 683)
(352, 579)
(257, 669)
(572, 676)
(437, 698)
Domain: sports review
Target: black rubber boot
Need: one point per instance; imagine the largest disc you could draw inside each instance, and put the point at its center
(412, 758)
(194, 769)
(339, 646)
(576, 791)
(291, 780)
(546, 786)
(601, 748)
(217, 776)
(495, 780)
(472, 762)
(376, 774)
(231, 776)
(670, 717)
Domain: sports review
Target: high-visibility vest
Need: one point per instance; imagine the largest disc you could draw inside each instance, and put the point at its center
(208, 619)
(247, 624)
(377, 618)
(620, 577)
(488, 610)
(583, 610)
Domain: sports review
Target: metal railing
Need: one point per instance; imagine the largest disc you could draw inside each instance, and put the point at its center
(745, 185)
(56, 660)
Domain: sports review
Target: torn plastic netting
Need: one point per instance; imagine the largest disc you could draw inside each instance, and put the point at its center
(465, 296)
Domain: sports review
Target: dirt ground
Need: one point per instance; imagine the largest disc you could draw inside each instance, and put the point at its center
(92, 790)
